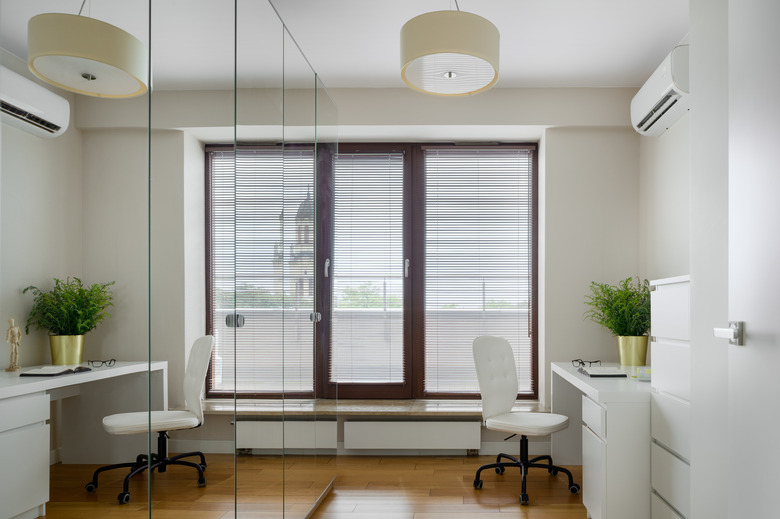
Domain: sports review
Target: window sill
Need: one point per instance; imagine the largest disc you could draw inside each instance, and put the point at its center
(428, 408)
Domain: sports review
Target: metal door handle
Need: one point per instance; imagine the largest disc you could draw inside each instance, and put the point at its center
(327, 266)
(406, 268)
(734, 333)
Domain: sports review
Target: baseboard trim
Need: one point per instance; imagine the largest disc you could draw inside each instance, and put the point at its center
(536, 448)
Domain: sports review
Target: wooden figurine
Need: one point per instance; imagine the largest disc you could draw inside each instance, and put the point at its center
(13, 336)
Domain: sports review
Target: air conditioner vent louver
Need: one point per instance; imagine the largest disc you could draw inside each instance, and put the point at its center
(41, 123)
(31, 107)
(658, 111)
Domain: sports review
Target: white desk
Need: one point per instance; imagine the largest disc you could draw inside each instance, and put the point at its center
(85, 398)
(609, 435)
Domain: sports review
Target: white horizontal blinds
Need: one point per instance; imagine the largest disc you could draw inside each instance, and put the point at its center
(266, 243)
(367, 282)
(478, 208)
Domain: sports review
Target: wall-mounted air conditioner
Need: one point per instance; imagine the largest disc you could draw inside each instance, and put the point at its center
(29, 106)
(663, 99)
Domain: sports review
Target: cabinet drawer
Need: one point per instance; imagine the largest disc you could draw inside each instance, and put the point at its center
(594, 416)
(670, 422)
(670, 311)
(23, 410)
(24, 470)
(660, 510)
(672, 368)
(594, 474)
(671, 478)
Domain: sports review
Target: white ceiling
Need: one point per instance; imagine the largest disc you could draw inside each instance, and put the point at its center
(355, 43)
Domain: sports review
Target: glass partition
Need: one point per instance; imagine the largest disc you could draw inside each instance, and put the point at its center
(121, 196)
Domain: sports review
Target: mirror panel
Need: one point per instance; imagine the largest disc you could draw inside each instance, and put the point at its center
(121, 196)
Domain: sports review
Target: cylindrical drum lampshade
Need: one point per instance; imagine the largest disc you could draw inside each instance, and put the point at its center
(449, 53)
(86, 56)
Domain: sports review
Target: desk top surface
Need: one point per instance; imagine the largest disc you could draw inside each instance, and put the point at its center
(604, 389)
(11, 384)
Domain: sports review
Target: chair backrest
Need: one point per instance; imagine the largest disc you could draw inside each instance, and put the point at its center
(195, 376)
(496, 374)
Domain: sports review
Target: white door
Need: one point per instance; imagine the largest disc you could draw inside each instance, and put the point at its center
(753, 452)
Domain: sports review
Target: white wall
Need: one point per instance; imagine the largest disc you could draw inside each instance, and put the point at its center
(664, 164)
(194, 242)
(591, 233)
(117, 226)
(40, 222)
(115, 243)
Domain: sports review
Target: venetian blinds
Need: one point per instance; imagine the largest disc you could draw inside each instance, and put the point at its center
(367, 309)
(478, 261)
(261, 268)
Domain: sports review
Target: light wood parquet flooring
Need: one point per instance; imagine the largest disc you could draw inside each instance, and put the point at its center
(367, 487)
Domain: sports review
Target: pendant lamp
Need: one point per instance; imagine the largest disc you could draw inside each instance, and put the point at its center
(449, 53)
(86, 56)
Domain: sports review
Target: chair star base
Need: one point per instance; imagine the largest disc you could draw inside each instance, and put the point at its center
(523, 463)
(159, 461)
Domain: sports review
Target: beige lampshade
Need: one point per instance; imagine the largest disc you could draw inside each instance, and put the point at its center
(86, 56)
(449, 53)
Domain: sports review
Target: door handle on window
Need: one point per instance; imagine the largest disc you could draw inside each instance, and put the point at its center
(406, 268)
(327, 266)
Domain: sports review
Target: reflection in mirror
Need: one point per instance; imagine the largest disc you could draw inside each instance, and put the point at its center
(76, 204)
(121, 196)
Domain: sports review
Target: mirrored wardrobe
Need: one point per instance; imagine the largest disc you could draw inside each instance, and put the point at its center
(198, 199)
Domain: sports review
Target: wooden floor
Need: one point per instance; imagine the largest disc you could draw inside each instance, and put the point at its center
(367, 487)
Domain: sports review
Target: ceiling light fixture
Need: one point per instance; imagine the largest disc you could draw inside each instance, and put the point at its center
(449, 53)
(86, 56)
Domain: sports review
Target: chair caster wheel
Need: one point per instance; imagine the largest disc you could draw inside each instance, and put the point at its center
(91, 486)
(574, 489)
(523, 499)
(201, 482)
(123, 498)
(478, 484)
(500, 470)
(553, 472)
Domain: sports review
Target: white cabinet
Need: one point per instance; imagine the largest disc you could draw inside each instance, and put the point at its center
(23, 432)
(615, 461)
(670, 407)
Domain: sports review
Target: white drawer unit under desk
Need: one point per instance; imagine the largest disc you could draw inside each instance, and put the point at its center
(609, 435)
(85, 399)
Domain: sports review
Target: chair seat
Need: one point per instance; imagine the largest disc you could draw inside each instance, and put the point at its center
(528, 424)
(134, 423)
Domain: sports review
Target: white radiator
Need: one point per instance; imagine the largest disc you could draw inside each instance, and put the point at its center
(287, 435)
(412, 435)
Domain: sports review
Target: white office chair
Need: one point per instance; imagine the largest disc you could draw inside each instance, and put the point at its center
(497, 377)
(163, 421)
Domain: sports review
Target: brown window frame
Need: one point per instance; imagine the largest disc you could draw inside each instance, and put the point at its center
(413, 299)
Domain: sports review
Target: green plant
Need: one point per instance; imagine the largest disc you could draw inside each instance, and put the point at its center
(69, 308)
(624, 309)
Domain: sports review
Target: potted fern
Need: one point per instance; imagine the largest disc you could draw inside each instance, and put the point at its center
(624, 309)
(68, 311)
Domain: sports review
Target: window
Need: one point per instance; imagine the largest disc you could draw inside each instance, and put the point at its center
(478, 261)
(420, 250)
(260, 266)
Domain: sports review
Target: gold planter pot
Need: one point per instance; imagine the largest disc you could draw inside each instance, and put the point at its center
(66, 349)
(633, 350)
